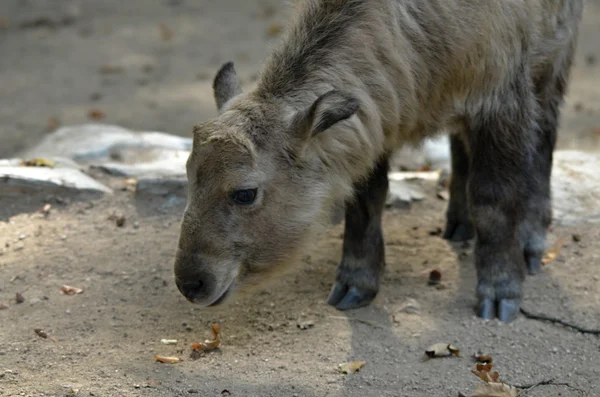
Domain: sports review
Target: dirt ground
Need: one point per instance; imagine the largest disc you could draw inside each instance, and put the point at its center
(102, 342)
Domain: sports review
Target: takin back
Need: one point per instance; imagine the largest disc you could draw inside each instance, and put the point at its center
(350, 82)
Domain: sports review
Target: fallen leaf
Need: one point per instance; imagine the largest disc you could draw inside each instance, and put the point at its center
(442, 350)
(68, 290)
(274, 29)
(19, 298)
(4, 22)
(166, 34)
(95, 114)
(482, 358)
(206, 345)
(495, 390)
(216, 330)
(351, 367)
(168, 341)
(209, 344)
(596, 131)
(41, 333)
(38, 162)
(166, 359)
(435, 277)
(552, 252)
(484, 372)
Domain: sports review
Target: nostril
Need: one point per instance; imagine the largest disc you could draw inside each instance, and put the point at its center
(194, 290)
(198, 285)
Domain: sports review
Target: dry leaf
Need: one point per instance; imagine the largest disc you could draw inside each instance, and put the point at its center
(166, 34)
(442, 350)
(552, 252)
(95, 114)
(38, 162)
(41, 333)
(209, 344)
(166, 359)
(206, 345)
(68, 290)
(19, 298)
(351, 367)
(484, 372)
(168, 341)
(274, 29)
(495, 390)
(216, 330)
(483, 358)
(596, 131)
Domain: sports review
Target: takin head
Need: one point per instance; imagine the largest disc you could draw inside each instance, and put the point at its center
(257, 187)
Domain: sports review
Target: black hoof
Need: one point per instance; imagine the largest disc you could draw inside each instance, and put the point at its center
(534, 263)
(458, 231)
(344, 297)
(505, 310)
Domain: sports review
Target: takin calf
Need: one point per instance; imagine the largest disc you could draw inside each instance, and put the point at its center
(351, 81)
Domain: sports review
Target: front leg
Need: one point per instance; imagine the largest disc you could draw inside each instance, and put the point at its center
(458, 222)
(363, 258)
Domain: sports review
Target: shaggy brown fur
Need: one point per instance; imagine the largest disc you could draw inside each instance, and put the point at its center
(353, 80)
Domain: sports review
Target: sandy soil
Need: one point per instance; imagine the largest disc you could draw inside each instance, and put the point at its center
(102, 342)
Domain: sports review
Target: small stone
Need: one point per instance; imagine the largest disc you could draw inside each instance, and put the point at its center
(120, 221)
(136, 225)
(305, 324)
(21, 237)
(576, 238)
(435, 277)
(410, 306)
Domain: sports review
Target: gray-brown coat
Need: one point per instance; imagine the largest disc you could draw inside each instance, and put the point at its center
(350, 82)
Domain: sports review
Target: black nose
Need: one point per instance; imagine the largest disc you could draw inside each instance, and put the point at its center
(197, 289)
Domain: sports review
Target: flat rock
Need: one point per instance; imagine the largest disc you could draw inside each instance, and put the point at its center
(64, 178)
(432, 154)
(403, 192)
(576, 186)
(104, 142)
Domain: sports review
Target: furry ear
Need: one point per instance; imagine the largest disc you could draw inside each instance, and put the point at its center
(327, 110)
(226, 85)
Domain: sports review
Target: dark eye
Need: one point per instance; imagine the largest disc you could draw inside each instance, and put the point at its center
(244, 196)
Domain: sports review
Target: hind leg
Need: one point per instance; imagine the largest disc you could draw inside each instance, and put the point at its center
(550, 92)
(363, 259)
(458, 223)
(502, 139)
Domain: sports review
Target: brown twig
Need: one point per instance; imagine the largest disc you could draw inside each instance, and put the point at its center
(543, 317)
(550, 382)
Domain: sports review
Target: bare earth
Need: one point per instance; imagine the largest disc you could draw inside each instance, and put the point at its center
(102, 342)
